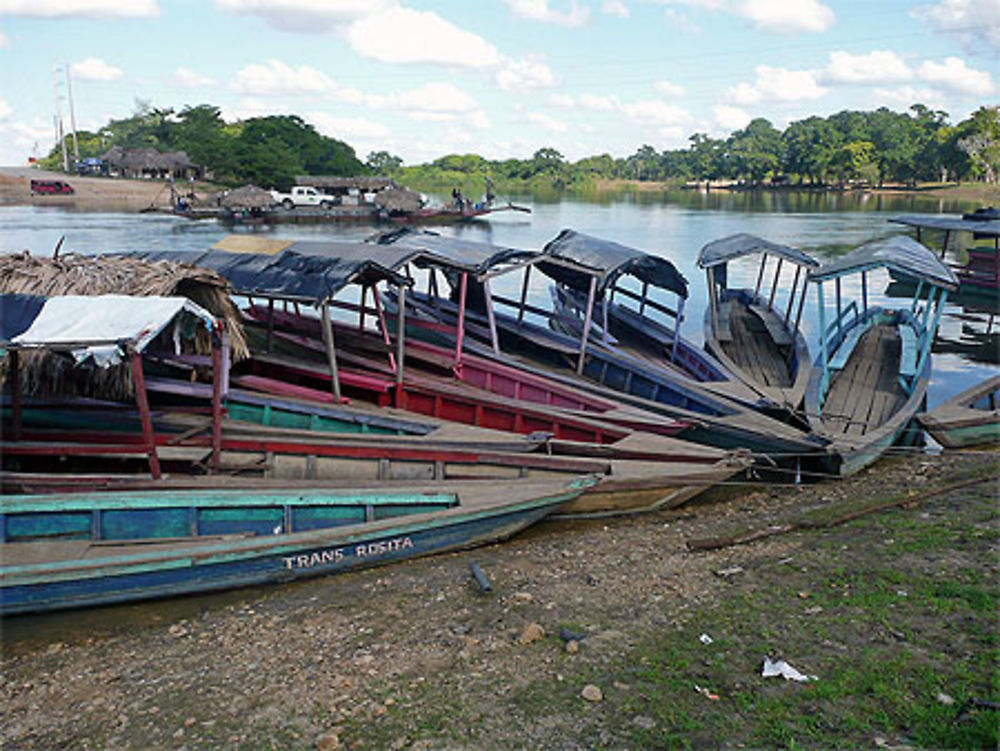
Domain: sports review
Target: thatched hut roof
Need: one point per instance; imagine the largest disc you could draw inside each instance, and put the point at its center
(247, 197)
(51, 374)
(399, 200)
(361, 183)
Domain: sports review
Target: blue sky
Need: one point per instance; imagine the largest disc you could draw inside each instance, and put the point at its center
(502, 78)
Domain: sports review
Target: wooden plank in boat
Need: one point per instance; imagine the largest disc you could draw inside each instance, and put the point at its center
(775, 326)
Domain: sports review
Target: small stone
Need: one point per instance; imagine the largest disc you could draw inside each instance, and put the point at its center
(177, 630)
(328, 742)
(179, 733)
(189, 722)
(523, 598)
(945, 699)
(804, 595)
(643, 722)
(532, 632)
(572, 646)
(592, 693)
(390, 701)
(378, 710)
(816, 609)
(730, 571)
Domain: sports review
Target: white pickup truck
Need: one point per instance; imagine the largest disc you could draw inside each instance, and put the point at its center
(303, 196)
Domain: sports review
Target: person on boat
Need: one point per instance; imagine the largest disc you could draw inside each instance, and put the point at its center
(457, 195)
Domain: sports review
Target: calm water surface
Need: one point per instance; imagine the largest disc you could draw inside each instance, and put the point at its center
(671, 225)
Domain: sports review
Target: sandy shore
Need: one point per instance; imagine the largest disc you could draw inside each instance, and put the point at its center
(90, 193)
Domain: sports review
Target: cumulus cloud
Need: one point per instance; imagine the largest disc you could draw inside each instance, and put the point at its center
(191, 79)
(95, 69)
(904, 97)
(5, 110)
(730, 118)
(668, 88)
(784, 17)
(548, 122)
(306, 15)
(953, 74)
(402, 35)
(435, 102)
(971, 21)
(277, 77)
(777, 85)
(525, 74)
(539, 10)
(97, 9)
(876, 67)
(656, 112)
(348, 129)
(596, 103)
(615, 8)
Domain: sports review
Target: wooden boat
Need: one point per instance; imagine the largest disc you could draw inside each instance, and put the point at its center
(78, 550)
(874, 364)
(760, 344)
(972, 418)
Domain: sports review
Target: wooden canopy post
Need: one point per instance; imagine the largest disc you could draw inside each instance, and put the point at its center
(791, 297)
(840, 322)
(586, 324)
(760, 275)
(14, 371)
(270, 322)
(824, 355)
(677, 328)
(944, 245)
(925, 350)
(361, 308)
(713, 307)
(400, 333)
(774, 286)
(864, 291)
(524, 294)
(490, 316)
(380, 315)
(145, 416)
(331, 350)
(645, 291)
(463, 289)
(218, 375)
(604, 314)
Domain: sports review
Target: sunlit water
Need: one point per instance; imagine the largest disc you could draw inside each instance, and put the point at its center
(672, 225)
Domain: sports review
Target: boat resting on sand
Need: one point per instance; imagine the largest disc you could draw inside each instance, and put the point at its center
(79, 550)
(870, 378)
(971, 418)
(753, 339)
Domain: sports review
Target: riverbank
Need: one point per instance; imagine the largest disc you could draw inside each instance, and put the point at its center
(894, 612)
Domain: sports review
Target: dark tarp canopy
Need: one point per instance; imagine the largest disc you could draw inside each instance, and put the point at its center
(989, 227)
(582, 257)
(291, 275)
(431, 249)
(742, 244)
(16, 314)
(899, 253)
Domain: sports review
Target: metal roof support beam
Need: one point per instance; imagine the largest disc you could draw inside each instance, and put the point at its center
(586, 324)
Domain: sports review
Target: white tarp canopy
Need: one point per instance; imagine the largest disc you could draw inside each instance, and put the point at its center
(96, 326)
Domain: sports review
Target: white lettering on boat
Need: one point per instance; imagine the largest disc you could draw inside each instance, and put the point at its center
(336, 555)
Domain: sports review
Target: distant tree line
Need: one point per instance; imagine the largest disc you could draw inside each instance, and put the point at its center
(847, 148)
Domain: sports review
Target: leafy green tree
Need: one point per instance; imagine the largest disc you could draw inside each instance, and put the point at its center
(383, 163)
(807, 148)
(755, 150)
(705, 157)
(855, 161)
(981, 141)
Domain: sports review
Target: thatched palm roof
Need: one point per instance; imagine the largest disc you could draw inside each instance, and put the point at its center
(74, 274)
(247, 197)
(399, 200)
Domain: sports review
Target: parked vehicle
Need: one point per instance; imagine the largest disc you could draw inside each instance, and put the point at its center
(303, 196)
(51, 187)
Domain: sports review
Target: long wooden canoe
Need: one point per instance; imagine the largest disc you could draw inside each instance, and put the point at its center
(972, 418)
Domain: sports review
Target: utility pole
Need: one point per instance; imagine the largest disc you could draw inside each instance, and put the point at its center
(72, 116)
(59, 119)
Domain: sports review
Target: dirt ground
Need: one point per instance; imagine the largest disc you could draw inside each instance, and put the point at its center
(90, 193)
(569, 650)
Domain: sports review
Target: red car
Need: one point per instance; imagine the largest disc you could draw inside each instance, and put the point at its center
(50, 187)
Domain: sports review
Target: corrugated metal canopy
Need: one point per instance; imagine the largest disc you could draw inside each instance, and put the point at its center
(311, 277)
(899, 253)
(950, 222)
(742, 244)
(431, 249)
(588, 257)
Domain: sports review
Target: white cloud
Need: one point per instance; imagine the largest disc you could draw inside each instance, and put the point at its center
(349, 129)
(306, 15)
(730, 118)
(903, 97)
(786, 16)
(668, 88)
(656, 112)
(277, 77)
(777, 85)
(20, 140)
(525, 74)
(5, 110)
(550, 124)
(565, 101)
(615, 8)
(434, 102)
(191, 79)
(599, 103)
(401, 35)
(877, 67)
(539, 10)
(955, 75)
(971, 20)
(100, 9)
(95, 69)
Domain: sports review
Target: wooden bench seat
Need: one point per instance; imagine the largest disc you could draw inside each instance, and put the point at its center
(846, 347)
(775, 326)
(722, 330)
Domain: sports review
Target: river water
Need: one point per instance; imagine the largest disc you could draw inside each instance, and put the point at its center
(674, 225)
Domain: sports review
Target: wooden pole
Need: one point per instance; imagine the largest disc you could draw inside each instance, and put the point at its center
(524, 294)
(380, 313)
(864, 291)
(604, 314)
(361, 308)
(400, 334)
(463, 290)
(494, 339)
(840, 322)
(14, 371)
(645, 291)
(677, 328)
(331, 350)
(713, 310)
(760, 276)
(217, 377)
(774, 286)
(270, 322)
(791, 297)
(586, 324)
(145, 416)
